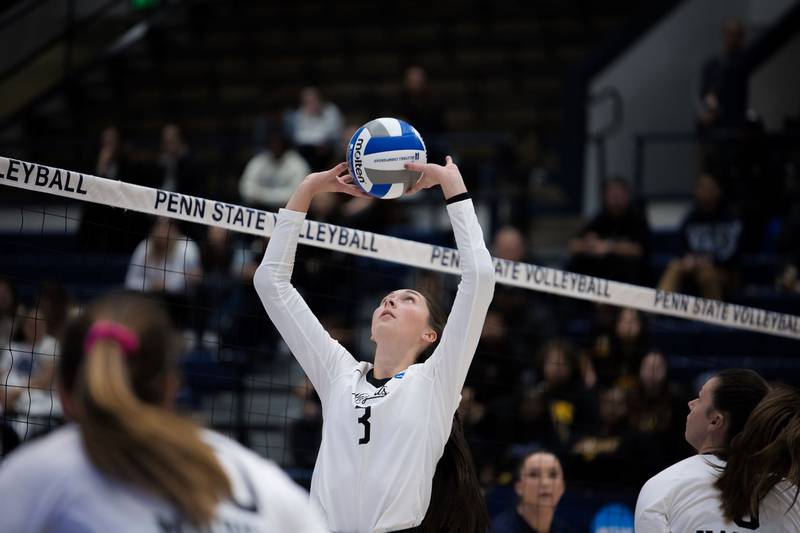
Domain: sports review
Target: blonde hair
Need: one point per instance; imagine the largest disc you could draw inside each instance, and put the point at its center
(118, 398)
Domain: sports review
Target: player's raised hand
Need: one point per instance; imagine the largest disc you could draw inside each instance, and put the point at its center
(336, 179)
(447, 176)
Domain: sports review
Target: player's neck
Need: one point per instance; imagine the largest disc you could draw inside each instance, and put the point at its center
(539, 518)
(389, 362)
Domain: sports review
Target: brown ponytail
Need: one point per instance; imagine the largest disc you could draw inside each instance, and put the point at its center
(457, 502)
(766, 452)
(119, 399)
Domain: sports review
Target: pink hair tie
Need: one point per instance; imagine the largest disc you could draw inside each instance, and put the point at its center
(108, 330)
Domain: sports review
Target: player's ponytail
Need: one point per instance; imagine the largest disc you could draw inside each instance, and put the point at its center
(455, 483)
(116, 379)
(457, 502)
(766, 452)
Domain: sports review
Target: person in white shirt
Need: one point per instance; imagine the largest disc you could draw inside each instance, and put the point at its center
(747, 471)
(271, 176)
(166, 261)
(129, 464)
(388, 426)
(315, 128)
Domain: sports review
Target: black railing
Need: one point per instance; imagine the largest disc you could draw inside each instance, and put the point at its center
(64, 32)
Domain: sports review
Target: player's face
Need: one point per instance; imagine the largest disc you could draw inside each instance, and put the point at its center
(699, 418)
(541, 481)
(402, 314)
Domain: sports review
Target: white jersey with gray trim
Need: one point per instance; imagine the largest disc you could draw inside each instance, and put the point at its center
(682, 499)
(380, 442)
(51, 485)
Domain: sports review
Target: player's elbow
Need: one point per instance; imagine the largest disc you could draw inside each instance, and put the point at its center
(265, 282)
(484, 277)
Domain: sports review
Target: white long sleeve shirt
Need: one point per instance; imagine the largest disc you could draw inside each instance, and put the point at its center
(51, 485)
(380, 445)
(682, 499)
(270, 181)
(174, 272)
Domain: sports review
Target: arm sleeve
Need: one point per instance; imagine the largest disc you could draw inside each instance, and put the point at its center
(451, 359)
(321, 357)
(651, 509)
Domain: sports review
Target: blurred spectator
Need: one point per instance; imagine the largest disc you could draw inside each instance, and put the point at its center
(530, 424)
(789, 247)
(179, 172)
(570, 405)
(616, 355)
(167, 263)
(54, 303)
(528, 315)
(539, 486)
(612, 453)
(711, 234)
(28, 369)
(723, 84)
(305, 433)
(418, 104)
(484, 432)
(658, 409)
(496, 367)
(109, 229)
(614, 243)
(8, 439)
(228, 267)
(271, 176)
(8, 310)
(315, 127)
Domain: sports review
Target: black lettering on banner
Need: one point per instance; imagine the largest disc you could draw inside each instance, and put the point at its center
(364, 420)
(41, 176)
(13, 168)
(28, 171)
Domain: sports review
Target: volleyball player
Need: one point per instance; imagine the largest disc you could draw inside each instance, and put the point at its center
(746, 474)
(128, 464)
(387, 424)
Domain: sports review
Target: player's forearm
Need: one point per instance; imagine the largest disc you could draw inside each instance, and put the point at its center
(453, 186)
(301, 198)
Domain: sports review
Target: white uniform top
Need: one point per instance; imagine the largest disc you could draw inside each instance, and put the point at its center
(380, 445)
(51, 485)
(682, 499)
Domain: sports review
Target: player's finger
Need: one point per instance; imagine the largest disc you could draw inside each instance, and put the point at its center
(419, 167)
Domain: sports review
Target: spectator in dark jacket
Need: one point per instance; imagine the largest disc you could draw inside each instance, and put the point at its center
(614, 243)
(711, 235)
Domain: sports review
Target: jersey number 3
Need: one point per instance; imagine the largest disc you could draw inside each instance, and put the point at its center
(364, 420)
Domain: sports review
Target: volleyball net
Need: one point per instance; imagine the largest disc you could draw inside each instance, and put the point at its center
(594, 369)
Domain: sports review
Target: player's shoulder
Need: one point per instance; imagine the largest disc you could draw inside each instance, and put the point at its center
(58, 454)
(683, 472)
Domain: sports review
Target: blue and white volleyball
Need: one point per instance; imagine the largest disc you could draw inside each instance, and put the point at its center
(378, 152)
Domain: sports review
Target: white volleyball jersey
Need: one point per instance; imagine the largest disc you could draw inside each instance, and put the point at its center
(682, 499)
(380, 444)
(51, 485)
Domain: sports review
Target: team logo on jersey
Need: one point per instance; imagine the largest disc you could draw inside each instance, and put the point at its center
(360, 398)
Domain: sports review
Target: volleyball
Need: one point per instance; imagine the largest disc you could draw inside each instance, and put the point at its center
(377, 153)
